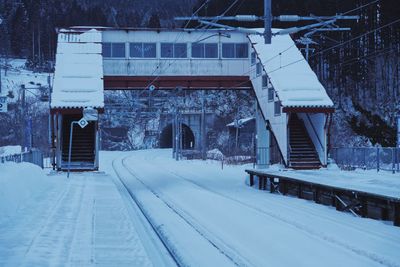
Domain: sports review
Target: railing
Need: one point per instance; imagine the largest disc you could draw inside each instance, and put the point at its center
(315, 132)
(34, 156)
(367, 158)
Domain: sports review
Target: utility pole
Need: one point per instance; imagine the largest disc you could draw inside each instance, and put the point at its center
(1, 21)
(0, 79)
(267, 22)
(23, 128)
(398, 131)
(203, 126)
(174, 134)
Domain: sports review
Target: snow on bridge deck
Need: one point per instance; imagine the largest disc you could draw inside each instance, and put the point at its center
(293, 80)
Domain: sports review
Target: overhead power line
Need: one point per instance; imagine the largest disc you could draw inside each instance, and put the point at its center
(339, 45)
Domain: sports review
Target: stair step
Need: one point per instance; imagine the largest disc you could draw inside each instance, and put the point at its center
(301, 159)
(305, 163)
(302, 152)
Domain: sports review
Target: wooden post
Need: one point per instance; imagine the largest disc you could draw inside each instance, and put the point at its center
(364, 207)
(333, 199)
(271, 185)
(384, 214)
(283, 186)
(396, 216)
(299, 191)
(316, 195)
(251, 179)
(264, 183)
(260, 182)
(337, 203)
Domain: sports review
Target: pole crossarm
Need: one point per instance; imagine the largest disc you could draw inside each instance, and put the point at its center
(294, 18)
(323, 21)
(226, 27)
(282, 18)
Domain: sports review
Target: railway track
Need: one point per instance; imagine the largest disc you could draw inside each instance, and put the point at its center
(223, 249)
(153, 226)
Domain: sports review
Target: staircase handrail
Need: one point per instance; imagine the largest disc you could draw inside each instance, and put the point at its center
(315, 131)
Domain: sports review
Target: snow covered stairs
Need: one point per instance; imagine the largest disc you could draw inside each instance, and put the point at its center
(302, 153)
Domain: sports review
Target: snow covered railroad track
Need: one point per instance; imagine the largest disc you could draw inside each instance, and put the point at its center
(229, 257)
(170, 250)
(246, 223)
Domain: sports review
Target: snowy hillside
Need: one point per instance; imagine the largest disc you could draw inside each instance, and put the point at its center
(16, 74)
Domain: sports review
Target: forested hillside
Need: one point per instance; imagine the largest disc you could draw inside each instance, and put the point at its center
(28, 28)
(360, 68)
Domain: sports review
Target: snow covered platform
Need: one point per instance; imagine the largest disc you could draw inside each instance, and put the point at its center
(87, 220)
(363, 193)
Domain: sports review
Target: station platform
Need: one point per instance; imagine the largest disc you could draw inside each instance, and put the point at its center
(363, 193)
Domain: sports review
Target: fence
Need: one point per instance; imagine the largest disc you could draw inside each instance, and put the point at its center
(34, 156)
(367, 158)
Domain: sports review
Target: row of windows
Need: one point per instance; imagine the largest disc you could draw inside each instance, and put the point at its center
(175, 50)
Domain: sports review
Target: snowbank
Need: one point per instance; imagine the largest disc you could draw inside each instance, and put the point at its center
(215, 154)
(9, 150)
(21, 183)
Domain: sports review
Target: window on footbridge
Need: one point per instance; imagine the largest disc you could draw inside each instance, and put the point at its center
(277, 108)
(253, 58)
(143, 50)
(205, 50)
(235, 50)
(173, 50)
(114, 50)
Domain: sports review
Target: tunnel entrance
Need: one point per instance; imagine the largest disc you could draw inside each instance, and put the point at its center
(187, 137)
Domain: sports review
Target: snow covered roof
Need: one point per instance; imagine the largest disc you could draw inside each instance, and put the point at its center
(240, 122)
(78, 78)
(294, 81)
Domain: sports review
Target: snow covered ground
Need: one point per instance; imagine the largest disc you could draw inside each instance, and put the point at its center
(196, 211)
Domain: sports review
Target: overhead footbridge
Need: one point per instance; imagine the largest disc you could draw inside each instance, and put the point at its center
(293, 107)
